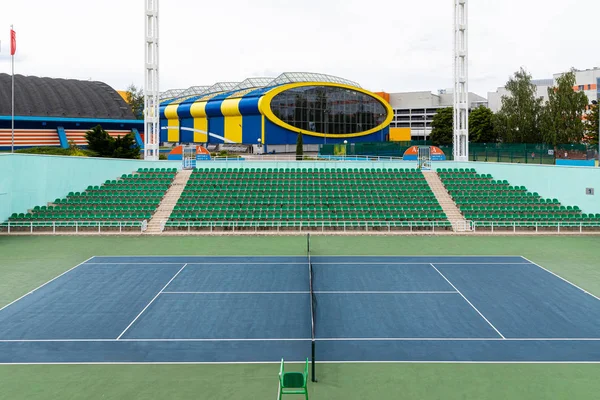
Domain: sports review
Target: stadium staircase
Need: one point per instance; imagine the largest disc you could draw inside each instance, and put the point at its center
(458, 221)
(164, 210)
(361, 199)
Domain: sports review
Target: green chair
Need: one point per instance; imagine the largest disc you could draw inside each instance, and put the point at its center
(293, 382)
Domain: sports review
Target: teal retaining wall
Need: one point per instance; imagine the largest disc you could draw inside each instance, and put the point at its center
(28, 180)
(567, 184)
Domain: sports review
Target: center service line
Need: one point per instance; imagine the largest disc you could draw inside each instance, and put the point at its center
(467, 300)
(151, 301)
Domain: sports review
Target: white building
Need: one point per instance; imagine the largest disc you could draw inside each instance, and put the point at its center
(587, 81)
(415, 110)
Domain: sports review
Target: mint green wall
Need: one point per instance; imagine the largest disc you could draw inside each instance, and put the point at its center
(32, 180)
(567, 184)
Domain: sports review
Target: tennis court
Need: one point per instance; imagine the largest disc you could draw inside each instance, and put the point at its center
(260, 308)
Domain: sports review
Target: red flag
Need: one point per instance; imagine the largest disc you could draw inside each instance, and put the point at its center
(13, 42)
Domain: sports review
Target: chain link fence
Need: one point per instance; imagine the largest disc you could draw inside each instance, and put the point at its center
(523, 153)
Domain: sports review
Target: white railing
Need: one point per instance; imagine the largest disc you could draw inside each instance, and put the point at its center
(73, 226)
(332, 226)
(536, 226)
(309, 225)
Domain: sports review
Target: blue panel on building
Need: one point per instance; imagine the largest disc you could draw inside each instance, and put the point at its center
(216, 125)
(186, 135)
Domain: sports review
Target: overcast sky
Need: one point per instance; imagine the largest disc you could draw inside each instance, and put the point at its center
(389, 45)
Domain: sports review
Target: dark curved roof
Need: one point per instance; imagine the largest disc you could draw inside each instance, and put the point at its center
(66, 98)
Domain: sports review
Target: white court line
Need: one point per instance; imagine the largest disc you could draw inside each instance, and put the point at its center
(151, 301)
(328, 292)
(467, 300)
(560, 277)
(400, 339)
(315, 263)
(204, 263)
(295, 292)
(44, 284)
(324, 255)
(293, 362)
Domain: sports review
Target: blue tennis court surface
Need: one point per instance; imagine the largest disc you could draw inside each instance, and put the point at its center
(258, 309)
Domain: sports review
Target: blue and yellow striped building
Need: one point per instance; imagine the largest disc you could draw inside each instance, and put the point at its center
(274, 111)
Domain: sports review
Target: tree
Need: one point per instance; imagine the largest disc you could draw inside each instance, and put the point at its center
(104, 145)
(481, 126)
(135, 99)
(442, 127)
(562, 121)
(299, 147)
(126, 147)
(100, 142)
(518, 120)
(591, 124)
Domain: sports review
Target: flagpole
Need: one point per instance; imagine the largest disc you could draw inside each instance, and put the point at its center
(12, 119)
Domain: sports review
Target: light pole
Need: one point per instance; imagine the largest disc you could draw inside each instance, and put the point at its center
(594, 102)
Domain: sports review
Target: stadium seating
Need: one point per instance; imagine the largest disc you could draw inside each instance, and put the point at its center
(133, 197)
(306, 197)
(482, 199)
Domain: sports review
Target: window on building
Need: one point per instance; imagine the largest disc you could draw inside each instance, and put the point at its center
(330, 110)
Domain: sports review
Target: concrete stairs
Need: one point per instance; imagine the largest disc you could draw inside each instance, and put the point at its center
(166, 206)
(459, 223)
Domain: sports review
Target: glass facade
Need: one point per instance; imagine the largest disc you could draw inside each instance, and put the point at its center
(328, 110)
(598, 89)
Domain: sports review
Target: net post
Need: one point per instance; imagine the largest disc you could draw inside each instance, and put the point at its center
(313, 363)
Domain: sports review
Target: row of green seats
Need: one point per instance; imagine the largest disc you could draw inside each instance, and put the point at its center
(157, 170)
(152, 181)
(83, 216)
(183, 225)
(455, 170)
(137, 177)
(291, 200)
(198, 181)
(231, 170)
(111, 200)
(149, 187)
(68, 207)
(310, 208)
(298, 216)
(504, 207)
(528, 217)
(388, 197)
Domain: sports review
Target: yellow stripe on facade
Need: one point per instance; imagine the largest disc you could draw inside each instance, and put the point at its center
(198, 112)
(233, 119)
(173, 123)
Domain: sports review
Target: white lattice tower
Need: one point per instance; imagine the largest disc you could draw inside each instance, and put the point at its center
(151, 84)
(461, 82)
